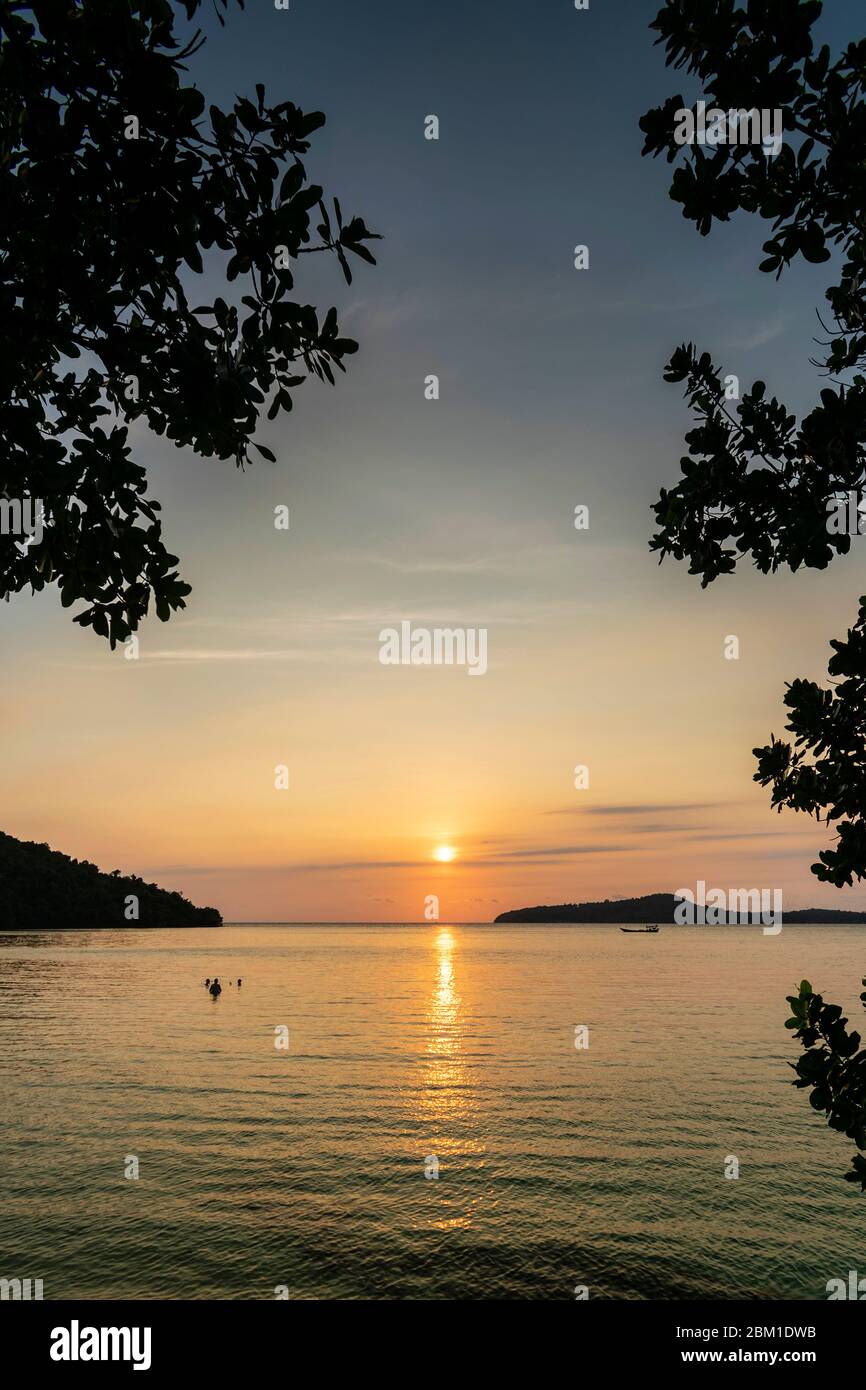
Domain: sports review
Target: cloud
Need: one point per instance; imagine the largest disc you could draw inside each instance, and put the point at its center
(648, 808)
(480, 565)
(549, 854)
(762, 334)
(249, 654)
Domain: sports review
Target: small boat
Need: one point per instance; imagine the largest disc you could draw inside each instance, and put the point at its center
(640, 929)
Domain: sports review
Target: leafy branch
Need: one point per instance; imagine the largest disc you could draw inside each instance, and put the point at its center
(833, 1066)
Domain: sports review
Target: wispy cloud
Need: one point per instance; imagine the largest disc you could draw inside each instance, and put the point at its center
(246, 654)
(647, 808)
(762, 334)
(547, 854)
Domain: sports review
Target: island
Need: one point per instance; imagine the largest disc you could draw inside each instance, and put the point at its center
(659, 907)
(44, 890)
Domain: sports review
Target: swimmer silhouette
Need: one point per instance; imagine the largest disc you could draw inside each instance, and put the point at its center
(216, 988)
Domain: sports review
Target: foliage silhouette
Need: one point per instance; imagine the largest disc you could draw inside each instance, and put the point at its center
(43, 890)
(834, 1066)
(755, 482)
(100, 234)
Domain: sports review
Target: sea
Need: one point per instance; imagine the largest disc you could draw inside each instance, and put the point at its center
(426, 1112)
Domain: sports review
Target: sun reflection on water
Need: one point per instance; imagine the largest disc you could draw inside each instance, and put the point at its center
(448, 1098)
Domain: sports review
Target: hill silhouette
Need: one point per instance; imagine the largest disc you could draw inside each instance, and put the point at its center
(42, 889)
(659, 907)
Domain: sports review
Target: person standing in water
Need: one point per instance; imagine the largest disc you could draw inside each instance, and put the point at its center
(216, 987)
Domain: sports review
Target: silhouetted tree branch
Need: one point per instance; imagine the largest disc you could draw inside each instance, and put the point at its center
(834, 1066)
(112, 185)
(755, 482)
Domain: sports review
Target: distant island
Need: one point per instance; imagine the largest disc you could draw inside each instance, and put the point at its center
(43, 890)
(659, 907)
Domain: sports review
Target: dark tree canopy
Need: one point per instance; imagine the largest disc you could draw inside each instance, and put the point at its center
(43, 890)
(113, 182)
(829, 725)
(833, 1064)
(756, 482)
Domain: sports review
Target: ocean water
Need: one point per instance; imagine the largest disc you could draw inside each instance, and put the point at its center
(305, 1168)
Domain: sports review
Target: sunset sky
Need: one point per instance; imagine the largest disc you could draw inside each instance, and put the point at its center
(456, 512)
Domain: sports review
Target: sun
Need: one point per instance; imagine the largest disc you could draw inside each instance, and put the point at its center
(444, 853)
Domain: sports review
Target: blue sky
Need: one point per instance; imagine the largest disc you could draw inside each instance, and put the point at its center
(456, 511)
